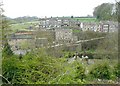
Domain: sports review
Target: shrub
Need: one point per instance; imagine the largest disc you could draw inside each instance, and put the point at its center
(9, 68)
(7, 52)
(68, 54)
(80, 72)
(73, 74)
(101, 71)
(117, 70)
(31, 69)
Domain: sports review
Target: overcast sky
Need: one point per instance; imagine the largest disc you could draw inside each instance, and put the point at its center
(42, 8)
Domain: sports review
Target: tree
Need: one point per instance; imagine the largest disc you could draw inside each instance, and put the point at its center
(103, 11)
(4, 32)
(71, 16)
(108, 47)
(7, 52)
(118, 11)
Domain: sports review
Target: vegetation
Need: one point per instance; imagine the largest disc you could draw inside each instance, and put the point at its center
(23, 19)
(85, 35)
(107, 11)
(117, 70)
(25, 26)
(101, 71)
(42, 65)
(82, 19)
(43, 69)
(7, 52)
(108, 47)
(30, 69)
(80, 72)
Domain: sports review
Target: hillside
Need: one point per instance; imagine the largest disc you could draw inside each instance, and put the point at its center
(22, 19)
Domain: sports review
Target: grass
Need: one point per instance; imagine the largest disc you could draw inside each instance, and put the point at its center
(86, 19)
(23, 26)
(76, 31)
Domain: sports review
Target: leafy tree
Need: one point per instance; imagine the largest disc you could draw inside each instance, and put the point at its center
(71, 16)
(103, 11)
(108, 47)
(118, 11)
(5, 31)
(4, 23)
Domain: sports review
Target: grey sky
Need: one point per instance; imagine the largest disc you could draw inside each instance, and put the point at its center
(42, 8)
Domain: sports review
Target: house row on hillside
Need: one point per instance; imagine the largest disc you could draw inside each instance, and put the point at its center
(50, 23)
(58, 22)
(101, 26)
(59, 34)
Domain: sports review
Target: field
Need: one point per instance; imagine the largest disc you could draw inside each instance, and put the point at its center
(86, 19)
(23, 26)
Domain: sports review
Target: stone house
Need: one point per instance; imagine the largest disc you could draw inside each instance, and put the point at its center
(17, 39)
(64, 36)
(91, 26)
(109, 26)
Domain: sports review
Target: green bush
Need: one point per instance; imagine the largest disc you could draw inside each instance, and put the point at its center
(101, 71)
(73, 74)
(79, 72)
(117, 70)
(31, 69)
(7, 52)
(9, 68)
(68, 54)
